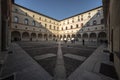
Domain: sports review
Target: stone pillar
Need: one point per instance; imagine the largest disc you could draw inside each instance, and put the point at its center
(0, 25)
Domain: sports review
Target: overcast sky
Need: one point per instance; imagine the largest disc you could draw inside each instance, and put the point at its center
(59, 9)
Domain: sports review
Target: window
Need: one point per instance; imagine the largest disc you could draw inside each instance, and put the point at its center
(26, 21)
(94, 22)
(45, 25)
(72, 21)
(45, 19)
(76, 25)
(71, 27)
(102, 21)
(39, 18)
(68, 22)
(62, 28)
(102, 28)
(15, 26)
(16, 19)
(57, 28)
(33, 23)
(89, 15)
(33, 15)
(26, 14)
(66, 28)
(81, 19)
(16, 10)
(54, 27)
(81, 24)
(50, 26)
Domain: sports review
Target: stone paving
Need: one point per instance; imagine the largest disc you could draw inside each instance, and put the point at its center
(22, 66)
(44, 56)
(89, 70)
(55, 61)
(81, 58)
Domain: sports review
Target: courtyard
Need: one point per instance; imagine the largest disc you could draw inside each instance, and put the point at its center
(57, 60)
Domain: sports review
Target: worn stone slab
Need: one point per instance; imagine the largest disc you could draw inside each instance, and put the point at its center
(81, 58)
(39, 57)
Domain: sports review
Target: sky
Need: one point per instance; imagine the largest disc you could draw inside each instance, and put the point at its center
(59, 9)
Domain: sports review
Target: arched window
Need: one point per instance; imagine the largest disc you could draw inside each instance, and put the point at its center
(16, 10)
(16, 19)
(102, 21)
(94, 22)
(33, 23)
(26, 21)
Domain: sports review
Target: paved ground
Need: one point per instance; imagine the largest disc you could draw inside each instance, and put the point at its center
(48, 60)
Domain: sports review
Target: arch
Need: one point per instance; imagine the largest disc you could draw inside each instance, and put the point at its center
(102, 35)
(25, 35)
(16, 19)
(57, 36)
(50, 36)
(60, 36)
(68, 36)
(85, 35)
(93, 35)
(15, 36)
(33, 23)
(33, 35)
(54, 37)
(64, 36)
(94, 22)
(102, 21)
(39, 35)
(26, 21)
(45, 35)
(73, 35)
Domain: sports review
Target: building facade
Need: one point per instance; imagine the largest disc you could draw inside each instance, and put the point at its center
(28, 25)
(87, 26)
(112, 22)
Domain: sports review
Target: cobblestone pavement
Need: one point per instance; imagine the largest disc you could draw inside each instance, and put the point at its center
(50, 61)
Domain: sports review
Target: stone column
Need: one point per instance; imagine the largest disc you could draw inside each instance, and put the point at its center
(0, 26)
(36, 36)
